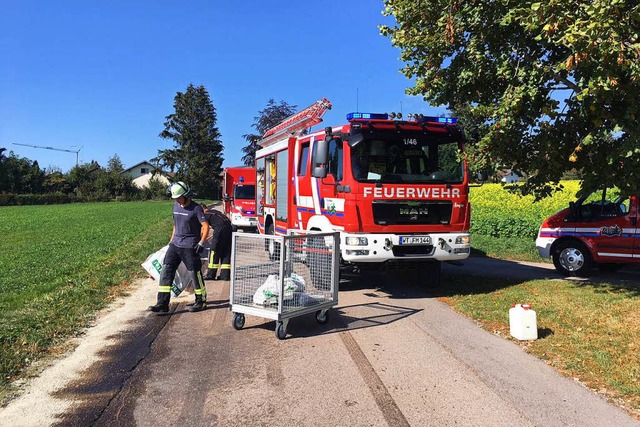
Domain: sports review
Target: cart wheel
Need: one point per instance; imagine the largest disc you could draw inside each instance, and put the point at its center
(281, 331)
(322, 316)
(238, 321)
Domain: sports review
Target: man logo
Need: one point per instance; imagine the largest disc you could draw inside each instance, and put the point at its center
(423, 210)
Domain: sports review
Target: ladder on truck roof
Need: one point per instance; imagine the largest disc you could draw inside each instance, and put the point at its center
(296, 123)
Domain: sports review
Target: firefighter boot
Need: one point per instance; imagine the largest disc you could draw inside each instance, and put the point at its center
(199, 305)
(162, 306)
(211, 275)
(225, 274)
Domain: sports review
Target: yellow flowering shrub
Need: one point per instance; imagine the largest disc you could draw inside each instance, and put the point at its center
(497, 212)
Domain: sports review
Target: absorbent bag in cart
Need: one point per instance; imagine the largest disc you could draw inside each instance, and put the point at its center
(269, 291)
(153, 266)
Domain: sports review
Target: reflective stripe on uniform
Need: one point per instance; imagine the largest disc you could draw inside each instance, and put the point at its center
(202, 287)
(164, 289)
(226, 266)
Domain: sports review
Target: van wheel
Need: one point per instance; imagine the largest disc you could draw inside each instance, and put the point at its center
(572, 258)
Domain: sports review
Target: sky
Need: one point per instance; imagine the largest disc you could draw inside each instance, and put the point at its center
(99, 78)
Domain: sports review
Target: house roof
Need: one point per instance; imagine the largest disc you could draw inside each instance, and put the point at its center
(144, 162)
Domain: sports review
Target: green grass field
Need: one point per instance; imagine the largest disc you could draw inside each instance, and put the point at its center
(60, 264)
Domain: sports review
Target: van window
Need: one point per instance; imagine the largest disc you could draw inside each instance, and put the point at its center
(603, 204)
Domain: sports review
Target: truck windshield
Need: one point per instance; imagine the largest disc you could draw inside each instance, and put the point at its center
(244, 192)
(400, 159)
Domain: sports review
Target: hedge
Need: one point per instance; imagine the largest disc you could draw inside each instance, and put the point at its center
(37, 199)
(497, 212)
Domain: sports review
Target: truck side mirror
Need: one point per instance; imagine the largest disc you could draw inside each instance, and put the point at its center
(320, 158)
(355, 139)
(483, 176)
(227, 198)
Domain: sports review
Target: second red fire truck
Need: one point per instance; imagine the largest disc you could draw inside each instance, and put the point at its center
(397, 190)
(239, 187)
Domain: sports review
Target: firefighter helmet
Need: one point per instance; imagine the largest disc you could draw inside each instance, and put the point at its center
(179, 189)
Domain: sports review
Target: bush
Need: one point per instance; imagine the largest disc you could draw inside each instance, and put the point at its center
(37, 199)
(496, 212)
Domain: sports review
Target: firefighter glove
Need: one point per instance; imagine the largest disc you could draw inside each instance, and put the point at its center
(199, 248)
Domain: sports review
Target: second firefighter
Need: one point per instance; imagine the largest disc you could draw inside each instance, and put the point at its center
(220, 252)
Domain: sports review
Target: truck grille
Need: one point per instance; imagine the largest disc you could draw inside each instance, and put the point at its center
(411, 213)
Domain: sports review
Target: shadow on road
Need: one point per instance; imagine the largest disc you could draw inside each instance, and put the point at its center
(484, 274)
(351, 317)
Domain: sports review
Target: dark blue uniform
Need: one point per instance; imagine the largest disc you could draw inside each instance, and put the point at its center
(187, 223)
(220, 253)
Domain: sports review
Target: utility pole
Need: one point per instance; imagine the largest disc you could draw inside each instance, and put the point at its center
(52, 148)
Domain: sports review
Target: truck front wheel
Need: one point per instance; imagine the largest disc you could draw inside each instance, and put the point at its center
(272, 246)
(572, 258)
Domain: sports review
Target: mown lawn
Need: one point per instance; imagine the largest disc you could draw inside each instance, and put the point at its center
(60, 264)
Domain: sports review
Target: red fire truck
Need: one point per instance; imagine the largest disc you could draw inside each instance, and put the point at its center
(600, 228)
(240, 197)
(397, 190)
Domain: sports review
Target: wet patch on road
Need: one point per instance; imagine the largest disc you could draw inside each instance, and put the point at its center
(99, 384)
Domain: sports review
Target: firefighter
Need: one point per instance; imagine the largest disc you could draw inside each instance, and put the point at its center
(190, 232)
(220, 252)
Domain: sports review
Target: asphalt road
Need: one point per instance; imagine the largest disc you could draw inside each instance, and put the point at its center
(390, 355)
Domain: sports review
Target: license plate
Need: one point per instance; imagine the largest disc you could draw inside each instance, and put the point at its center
(415, 240)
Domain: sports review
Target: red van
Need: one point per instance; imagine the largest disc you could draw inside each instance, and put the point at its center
(599, 229)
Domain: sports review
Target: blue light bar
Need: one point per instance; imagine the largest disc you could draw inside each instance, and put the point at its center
(241, 179)
(444, 120)
(370, 116)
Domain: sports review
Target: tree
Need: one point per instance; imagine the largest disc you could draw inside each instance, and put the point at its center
(3, 171)
(83, 178)
(197, 155)
(19, 175)
(266, 119)
(115, 164)
(56, 182)
(554, 85)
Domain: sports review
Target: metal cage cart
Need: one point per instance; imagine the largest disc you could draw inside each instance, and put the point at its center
(281, 277)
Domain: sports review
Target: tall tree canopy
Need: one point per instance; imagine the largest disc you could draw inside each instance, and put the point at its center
(266, 119)
(549, 86)
(197, 155)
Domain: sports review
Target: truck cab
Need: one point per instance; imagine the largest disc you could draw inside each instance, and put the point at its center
(240, 198)
(599, 229)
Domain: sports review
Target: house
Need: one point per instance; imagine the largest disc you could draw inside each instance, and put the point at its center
(510, 177)
(142, 172)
